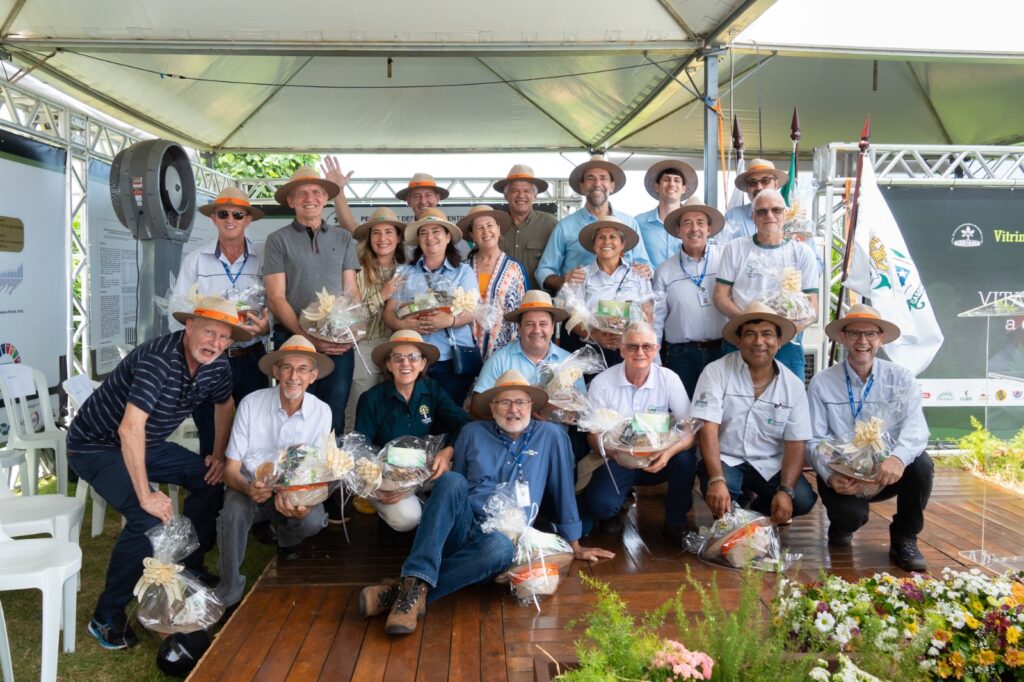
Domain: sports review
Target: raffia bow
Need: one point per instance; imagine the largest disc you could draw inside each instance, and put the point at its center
(193, 294)
(464, 301)
(155, 572)
(337, 460)
(868, 435)
(324, 304)
(791, 280)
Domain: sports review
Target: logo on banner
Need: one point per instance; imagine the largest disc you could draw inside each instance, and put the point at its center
(967, 236)
(1000, 395)
(9, 354)
(1018, 393)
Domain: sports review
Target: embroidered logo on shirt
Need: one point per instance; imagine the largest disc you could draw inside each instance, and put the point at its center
(702, 401)
(425, 413)
(531, 453)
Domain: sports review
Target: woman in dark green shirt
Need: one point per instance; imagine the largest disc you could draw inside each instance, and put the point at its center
(407, 403)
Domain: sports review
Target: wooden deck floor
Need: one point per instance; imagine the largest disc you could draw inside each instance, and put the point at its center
(301, 621)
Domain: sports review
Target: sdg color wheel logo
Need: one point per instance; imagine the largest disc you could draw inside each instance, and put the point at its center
(9, 354)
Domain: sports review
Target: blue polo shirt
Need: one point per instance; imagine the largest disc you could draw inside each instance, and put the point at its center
(513, 357)
(464, 278)
(154, 378)
(487, 458)
(564, 251)
(383, 414)
(659, 243)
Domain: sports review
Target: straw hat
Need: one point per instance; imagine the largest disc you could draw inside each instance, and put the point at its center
(861, 312)
(756, 310)
(297, 345)
(534, 300)
(305, 176)
(430, 216)
(756, 167)
(382, 216)
(521, 171)
(716, 221)
(510, 380)
(596, 161)
(689, 176)
(421, 180)
(219, 310)
(405, 336)
(231, 196)
(503, 219)
(589, 233)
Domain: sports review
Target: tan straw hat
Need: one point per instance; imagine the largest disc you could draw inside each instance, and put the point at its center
(382, 216)
(503, 219)
(757, 167)
(509, 381)
(405, 336)
(521, 171)
(297, 345)
(756, 310)
(589, 233)
(421, 180)
(689, 176)
(861, 312)
(537, 300)
(219, 310)
(305, 176)
(597, 161)
(231, 196)
(716, 221)
(430, 216)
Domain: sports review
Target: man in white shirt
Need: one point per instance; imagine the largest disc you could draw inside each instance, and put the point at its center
(756, 422)
(638, 386)
(857, 390)
(268, 421)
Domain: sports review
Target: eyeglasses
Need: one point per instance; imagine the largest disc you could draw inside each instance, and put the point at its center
(645, 347)
(505, 404)
(776, 211)
(870, 335)
(399, 358)
(290, 369)
(237, 215)
(755, 182)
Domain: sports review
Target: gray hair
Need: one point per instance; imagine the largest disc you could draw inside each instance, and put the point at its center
(769, 193)
(640, 328)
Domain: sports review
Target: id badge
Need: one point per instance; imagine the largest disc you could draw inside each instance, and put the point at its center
(522, 494)
(702, 297)
(233, 293)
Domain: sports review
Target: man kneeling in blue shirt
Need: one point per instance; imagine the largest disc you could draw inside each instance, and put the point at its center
(450, 550)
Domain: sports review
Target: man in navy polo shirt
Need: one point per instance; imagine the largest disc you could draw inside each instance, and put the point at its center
(118, 444)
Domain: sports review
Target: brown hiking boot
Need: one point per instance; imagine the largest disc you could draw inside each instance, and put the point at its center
(377, 599)
(410, 604)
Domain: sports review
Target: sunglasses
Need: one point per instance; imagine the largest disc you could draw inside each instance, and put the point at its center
(774, 210)
(237, 215)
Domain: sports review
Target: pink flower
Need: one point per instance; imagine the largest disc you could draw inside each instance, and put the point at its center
(684, 664)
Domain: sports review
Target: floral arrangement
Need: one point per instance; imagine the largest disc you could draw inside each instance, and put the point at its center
(673, 661)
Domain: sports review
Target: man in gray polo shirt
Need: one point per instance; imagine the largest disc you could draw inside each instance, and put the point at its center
(302, 258)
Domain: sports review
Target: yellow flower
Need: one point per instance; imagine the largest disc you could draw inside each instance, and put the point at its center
(1012, 635)
(975, 605)
(956, 659)
(986, 657)
(912, 626)
(943, 669)
(971, 621)
(1017, 589)
(1013, 657)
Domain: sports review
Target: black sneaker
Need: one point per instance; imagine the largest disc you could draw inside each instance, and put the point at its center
(839, 539)
(115, 635)
(907, 556)
(612, 525)
(265, 533)
(204, 576)
(288, 553)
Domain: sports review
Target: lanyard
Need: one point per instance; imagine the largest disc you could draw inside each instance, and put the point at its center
(227, 271)
(857, 407)
(510, 449)
(697, 281)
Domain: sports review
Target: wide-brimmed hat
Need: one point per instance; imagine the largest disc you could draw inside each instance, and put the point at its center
(716, 221)
(305, 176)
(231, 196)
(405, 336)
(219, 310)
(297, 345)
(382, 216)
(756, 310)
(510, 380)
(589, 233)
(431, 216)
(596, 161)
(758, 166)
(503, 219)
(536, 300)
(861, 312)
(521, 171)
(421, 180)
(689, 176)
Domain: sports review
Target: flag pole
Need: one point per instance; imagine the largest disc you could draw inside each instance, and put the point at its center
(865, 135)
(737, 139)
(794, 136)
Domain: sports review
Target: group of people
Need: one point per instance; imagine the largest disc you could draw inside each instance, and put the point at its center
(705, 346)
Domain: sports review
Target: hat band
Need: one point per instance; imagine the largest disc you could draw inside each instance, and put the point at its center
(405, 339)
(307, 178)
(866, 316)
(516, 384)
(217, 315)
(301, 349)
(424, 183)
(536, 304)
(521, 176)
(760, 168)
(231, 200)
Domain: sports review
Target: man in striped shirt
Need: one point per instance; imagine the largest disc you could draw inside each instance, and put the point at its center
(118, 444)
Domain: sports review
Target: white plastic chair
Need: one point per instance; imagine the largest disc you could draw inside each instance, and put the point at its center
(17, 383)
(52, 567)
(9, 459)
(58, 516)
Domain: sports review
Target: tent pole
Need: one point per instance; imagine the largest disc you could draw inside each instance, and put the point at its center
(711, 124)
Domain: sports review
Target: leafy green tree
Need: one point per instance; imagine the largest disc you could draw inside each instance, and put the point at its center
(252, 166)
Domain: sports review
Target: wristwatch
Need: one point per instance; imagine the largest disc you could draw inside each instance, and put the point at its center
(789, 491)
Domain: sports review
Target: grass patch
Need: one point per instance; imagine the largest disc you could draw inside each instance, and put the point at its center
(23, 613)
(989, 457)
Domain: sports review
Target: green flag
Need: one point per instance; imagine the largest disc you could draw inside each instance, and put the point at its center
(790, 186)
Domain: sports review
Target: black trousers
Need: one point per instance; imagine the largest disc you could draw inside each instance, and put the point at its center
(847, 513)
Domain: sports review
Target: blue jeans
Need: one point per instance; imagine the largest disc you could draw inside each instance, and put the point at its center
(746, 478)
(790, 356)
(455, 385)
(332, 389)
(246, 377)
(603, 502)
(165, 463)
(450, 551)
(689, 361)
